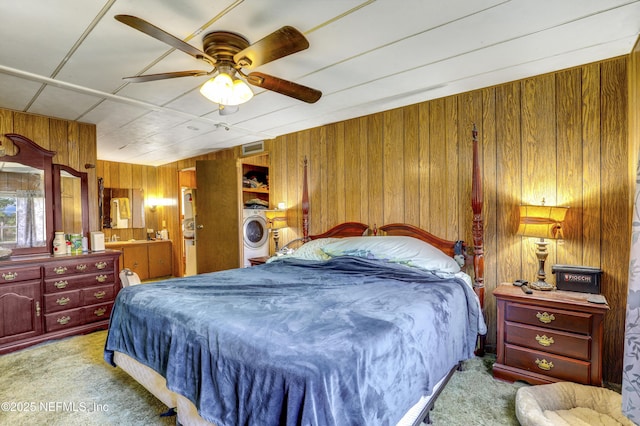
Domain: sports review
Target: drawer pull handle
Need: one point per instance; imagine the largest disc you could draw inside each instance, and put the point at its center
(37, 309)
(60, 269)
(545, 317)
(544, 340)
(99, 294)
(10, 276)
(63, 320)
(101, 265)
(544, 364)
(99, 312)
(61, 284)
(82, 267)
(101, 278)
(63, 301)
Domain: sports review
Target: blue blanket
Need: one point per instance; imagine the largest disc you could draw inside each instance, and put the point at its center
(348, 341)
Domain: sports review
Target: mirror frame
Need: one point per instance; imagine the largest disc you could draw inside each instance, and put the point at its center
(57, 196)
(31, 154)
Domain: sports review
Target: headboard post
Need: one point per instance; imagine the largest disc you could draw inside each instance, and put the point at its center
(477, 230)
(305, 204)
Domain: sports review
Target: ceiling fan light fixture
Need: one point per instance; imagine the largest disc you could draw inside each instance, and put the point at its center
(223, 89)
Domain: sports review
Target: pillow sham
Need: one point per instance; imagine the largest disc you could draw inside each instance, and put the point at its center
(397, 249)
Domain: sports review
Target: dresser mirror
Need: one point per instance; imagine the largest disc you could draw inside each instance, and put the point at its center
(71, 200)
(26, 198)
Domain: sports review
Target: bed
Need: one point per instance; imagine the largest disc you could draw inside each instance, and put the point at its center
(347, 330)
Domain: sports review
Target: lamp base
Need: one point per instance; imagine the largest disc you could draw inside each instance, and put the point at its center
(541, 286)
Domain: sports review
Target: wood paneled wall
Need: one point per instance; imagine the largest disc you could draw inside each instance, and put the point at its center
(561, 137)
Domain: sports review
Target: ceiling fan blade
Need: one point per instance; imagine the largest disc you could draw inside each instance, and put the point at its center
(280, 43)
(284, 87)
(165, 75)
(159, 34)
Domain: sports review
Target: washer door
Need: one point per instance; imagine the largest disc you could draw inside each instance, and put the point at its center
(255, 232)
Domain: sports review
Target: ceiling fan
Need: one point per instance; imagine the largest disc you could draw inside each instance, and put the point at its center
(230, 54)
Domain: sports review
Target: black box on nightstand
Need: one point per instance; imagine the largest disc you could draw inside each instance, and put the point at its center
(583, 279)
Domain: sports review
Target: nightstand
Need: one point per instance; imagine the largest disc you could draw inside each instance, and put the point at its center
(258, 260)
(548, 336)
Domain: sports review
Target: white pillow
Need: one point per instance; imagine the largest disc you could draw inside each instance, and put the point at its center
(312, 250)
(398, 249)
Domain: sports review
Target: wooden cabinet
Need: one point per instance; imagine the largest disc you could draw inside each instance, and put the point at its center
(548, 336)
(148, 259)
(20, 310)
(44, 297)
(160, 259)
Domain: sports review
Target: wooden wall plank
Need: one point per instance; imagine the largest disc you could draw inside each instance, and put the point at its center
(393, 172)
(353, 171)
(375, 147)
(438, 167)
(452, 177)
(591, 147)
(425, 166)
(569, 162)
(411, 155)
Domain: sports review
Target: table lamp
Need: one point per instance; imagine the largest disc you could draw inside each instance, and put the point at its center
(277, 219)
(543, 222)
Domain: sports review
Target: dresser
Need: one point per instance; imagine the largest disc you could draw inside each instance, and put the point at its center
(43, 297)
(548, 336)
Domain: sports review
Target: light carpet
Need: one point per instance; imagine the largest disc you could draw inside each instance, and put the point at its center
(67, 382)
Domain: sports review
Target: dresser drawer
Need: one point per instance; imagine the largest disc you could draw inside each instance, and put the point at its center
(79, 266)
(52, 285)
(64, 319)
(557, 319)
(9, 275)
(97, 312)
(94, 295)
(61, 301)
(543, 339)
(551, 365)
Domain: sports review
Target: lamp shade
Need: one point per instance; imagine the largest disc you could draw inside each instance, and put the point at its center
(277, 219)
(542, 221)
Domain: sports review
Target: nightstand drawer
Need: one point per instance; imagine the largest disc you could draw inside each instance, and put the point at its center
(560, 367)
(577, 322)
(558, 342)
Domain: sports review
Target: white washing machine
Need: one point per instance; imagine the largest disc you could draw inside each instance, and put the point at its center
(255, 235)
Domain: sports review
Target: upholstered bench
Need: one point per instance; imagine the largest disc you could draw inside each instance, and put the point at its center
(567, 403)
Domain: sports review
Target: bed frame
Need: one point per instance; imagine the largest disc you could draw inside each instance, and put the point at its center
(187, 413)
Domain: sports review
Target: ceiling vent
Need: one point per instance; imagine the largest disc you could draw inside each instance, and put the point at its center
(253, 148)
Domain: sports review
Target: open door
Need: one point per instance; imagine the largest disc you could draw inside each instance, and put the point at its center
(218, 234)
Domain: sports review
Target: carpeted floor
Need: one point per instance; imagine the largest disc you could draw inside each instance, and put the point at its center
(67, 383)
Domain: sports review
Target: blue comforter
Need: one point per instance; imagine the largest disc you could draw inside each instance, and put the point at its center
(348, 341)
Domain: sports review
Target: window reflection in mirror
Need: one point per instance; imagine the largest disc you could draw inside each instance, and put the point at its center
(22, 206)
